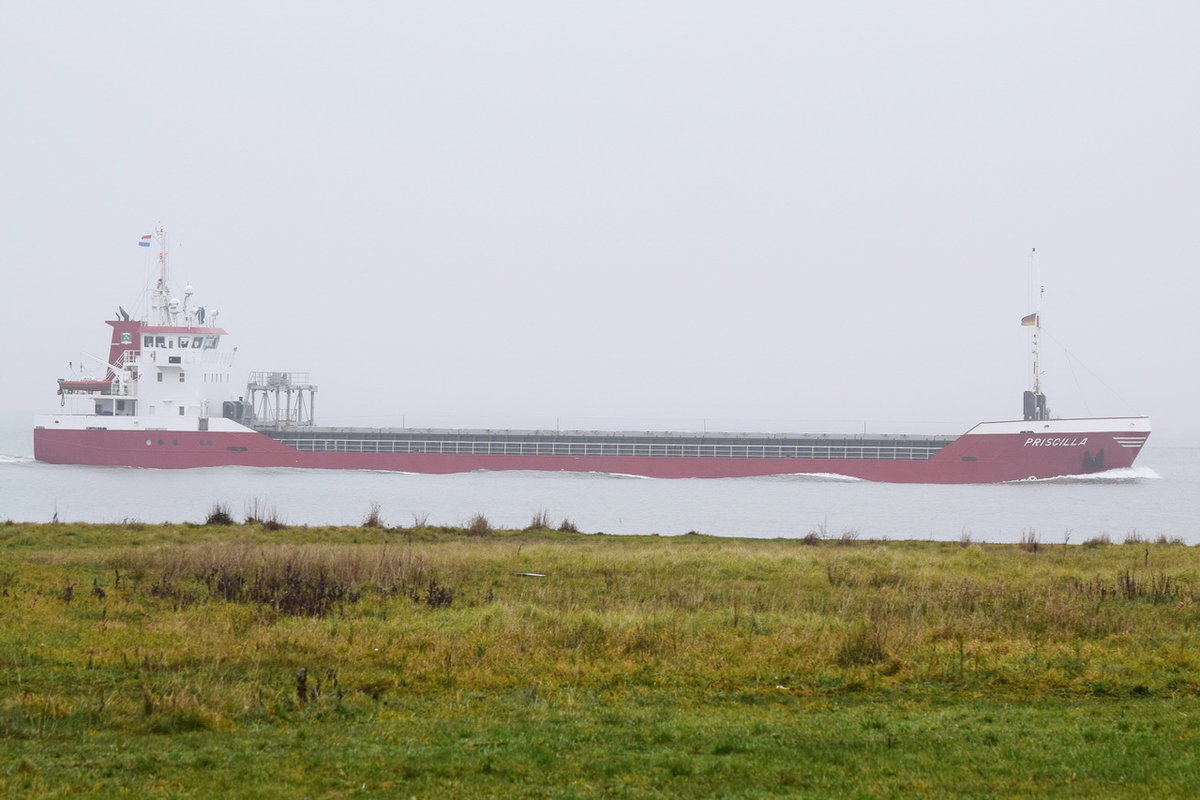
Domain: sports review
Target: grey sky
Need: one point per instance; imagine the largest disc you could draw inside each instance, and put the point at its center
(764, 213)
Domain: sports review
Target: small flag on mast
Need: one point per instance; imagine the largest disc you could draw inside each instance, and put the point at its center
(144, 241)
(1032, 319)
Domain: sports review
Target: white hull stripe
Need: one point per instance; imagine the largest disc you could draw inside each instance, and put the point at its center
(1130, 441)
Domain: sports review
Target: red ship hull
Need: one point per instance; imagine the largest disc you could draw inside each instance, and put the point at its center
(989, 453)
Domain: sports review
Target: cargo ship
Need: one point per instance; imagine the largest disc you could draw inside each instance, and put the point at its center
(165, 398)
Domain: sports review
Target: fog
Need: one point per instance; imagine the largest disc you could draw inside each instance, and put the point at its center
(755, 215)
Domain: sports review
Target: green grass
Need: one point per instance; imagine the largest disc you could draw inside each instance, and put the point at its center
(185, 660)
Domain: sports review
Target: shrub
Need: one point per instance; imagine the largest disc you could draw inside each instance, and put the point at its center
(479, 526)
(540, 521)
(373, 519)
(219, 515)
(273, 523)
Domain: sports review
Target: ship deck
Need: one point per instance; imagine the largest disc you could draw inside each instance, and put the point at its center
(875, 447)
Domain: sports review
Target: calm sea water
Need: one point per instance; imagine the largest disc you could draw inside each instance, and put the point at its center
(1160, 496)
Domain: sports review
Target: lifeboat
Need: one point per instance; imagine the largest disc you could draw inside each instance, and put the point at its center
(84, 386)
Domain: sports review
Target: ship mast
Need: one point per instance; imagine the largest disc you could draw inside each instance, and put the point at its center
(160, 302)
(1035, 400)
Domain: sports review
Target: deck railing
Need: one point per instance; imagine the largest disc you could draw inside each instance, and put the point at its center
(833, 450)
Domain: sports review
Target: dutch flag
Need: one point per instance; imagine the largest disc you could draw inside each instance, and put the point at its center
(144, 241)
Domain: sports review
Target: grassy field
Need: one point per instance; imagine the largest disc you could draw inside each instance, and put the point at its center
(248, 661)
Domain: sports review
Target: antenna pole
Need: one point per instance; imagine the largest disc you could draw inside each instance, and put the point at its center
(162, 290)
(1035, 401)
(1037, 321)
(1040, 409)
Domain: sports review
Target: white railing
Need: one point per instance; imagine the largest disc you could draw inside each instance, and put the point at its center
(161, 357)
(281, 380)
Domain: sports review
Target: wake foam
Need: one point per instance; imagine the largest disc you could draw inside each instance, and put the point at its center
(11, 459)
(555, 474)
(617, 475)
(1112, 476)
(814, 477)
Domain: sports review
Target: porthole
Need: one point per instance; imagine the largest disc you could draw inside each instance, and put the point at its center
(160, 441)
(148, 442)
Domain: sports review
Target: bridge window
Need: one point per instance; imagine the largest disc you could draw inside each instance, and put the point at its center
(147, 341)
(184, 342)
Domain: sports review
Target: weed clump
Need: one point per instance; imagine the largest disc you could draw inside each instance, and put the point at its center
(438, 596)
(257, 513)
(373, 519)
(294, 581)
(479, 526)
(540, 522)
(567, 526)
(1158, 588)
(301, 593)
(219, 515)
(861, 647)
